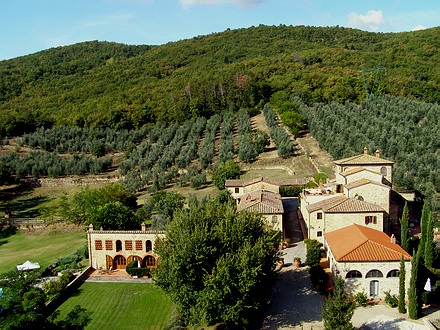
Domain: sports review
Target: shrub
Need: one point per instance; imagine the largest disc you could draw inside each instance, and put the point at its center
(391, 300)
(291, 191)
(361, 299)
(318, 277)
(133, 270)
(313, 257)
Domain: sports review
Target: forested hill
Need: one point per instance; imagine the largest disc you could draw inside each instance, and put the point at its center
(108, 84)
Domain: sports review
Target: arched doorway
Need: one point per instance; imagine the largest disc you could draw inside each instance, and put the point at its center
(148, 246)
(149, 262)
(120, 262)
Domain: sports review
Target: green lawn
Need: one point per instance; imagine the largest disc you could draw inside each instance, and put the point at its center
(43, 247)
(122, 305)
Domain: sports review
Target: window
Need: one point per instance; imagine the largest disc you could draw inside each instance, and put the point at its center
(354, 274)
(128, 245)
(148, 246)
(374, 288)
(237, 190)
(118, 246)
(150, 261)
(319, 215)
(374, 273)
(98, 245)
(370, 219)
(319, 233)
(393, 273)
(138, 245)
(383, 171)
(108, 245)
(274, 219)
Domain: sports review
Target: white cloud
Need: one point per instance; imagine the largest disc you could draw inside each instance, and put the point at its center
(418, 27)
(371, 21)
(241, 3)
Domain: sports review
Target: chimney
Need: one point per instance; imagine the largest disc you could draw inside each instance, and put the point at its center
(143, 227)
(377, 153)
(91, 227)
(393, 239)
(365, 151)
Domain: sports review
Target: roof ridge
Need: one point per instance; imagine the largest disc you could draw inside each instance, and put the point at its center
(338, 203)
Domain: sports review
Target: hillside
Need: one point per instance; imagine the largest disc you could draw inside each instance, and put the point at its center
(96, 84)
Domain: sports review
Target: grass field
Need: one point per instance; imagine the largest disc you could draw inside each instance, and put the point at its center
(42, 246)
(121, 305)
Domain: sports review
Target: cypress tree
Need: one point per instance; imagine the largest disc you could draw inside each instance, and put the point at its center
(402, 308)
(423, 223)
(413, 295)
(339, 309)
(404, 237)
(429, 248)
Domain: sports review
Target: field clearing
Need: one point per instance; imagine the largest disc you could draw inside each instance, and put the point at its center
(122, 305)
(42, 246)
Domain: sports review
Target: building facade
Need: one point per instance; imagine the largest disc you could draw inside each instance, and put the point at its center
(114, 249)
(367, 259)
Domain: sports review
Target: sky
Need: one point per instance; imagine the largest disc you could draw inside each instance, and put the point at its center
(28, 26)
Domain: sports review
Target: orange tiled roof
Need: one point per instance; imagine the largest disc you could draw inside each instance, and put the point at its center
(344, 204)
(362, 182)
(360, 243)
(363, 159)
(264, 202)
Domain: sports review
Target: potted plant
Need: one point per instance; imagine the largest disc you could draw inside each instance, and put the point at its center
(297, 262)
(280, 263)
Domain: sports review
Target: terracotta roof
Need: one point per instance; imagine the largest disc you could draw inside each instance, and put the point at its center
(360, 243)
(363, 159)
(264, 202)
(277, 182)
(344, 204)
(362, 182)
(357, 170)
(325, 203)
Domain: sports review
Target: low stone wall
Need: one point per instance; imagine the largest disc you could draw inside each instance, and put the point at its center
(68, 291)
(73, 181)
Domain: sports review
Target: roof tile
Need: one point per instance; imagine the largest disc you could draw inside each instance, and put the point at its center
(360, 243)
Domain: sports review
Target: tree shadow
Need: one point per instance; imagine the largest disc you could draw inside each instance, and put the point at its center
(7, 231)
(25, 208)
(293, 301)
(388, 324)
(15, 191)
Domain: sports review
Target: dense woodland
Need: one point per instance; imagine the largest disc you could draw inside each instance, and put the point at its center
(79, 103)
(95, 84)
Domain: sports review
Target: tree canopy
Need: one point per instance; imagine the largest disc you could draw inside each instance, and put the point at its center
(119, 86)
(217, 264)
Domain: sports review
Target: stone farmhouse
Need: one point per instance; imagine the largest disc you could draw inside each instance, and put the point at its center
(262, 195)
(367, 259)
(359, 195)
(114, 249)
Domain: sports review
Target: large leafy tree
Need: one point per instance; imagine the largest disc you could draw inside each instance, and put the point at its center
(22, 305)
(225, 171)
(93, 205)
(217, 264)
(339, 309)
